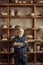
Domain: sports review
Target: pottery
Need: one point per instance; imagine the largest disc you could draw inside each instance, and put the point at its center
(12, 13)
(31, 1)
(4, 26)
(38, 48)
(4, 13)
(13, 26)
(24, 1)
(32, 14)
(41, 28)
(16, 1)
(20, 2)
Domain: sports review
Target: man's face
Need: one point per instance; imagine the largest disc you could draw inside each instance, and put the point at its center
(20, 32)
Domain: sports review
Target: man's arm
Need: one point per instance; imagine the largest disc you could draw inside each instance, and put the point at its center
(25, 44)
(17, 44)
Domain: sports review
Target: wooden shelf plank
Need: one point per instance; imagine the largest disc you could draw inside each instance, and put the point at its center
(4, 16)
(20, 5)
(40, 40)
(21, 17)
(30, 52)
(31, 40)
(39, 52)
(3, 52)
(3, 40)
(26, 17)
(24, 5)
(1, 63)
(3, 5)
(16, 5)
(25, 29)
(39, 63)
(38, 17)
(37, 29)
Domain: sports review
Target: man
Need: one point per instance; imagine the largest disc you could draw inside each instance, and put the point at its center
(20, 47)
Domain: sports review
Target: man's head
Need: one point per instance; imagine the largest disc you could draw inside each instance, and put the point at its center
(20, 30)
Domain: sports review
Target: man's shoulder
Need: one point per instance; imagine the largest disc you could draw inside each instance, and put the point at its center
(24, 39)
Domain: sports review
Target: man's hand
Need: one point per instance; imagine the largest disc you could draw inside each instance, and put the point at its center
(18, 44)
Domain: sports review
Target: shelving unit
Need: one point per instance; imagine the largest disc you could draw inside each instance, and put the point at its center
(31, 25)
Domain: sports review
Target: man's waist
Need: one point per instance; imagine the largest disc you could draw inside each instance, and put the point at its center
(20, 53)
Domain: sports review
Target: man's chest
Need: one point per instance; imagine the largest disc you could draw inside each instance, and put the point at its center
(19, 40)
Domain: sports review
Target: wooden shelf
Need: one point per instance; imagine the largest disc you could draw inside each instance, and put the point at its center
(26, 29)
(34, 29)
(17, 5)
(40, 40)
(31, 40)
(24, 5)
(29, 63)
(4, 16)
(39, 52)
(39, 63)
(3, 63)
(3, 52)
(3, 5)
(3, 40)
(30, 52)
(21, 17)
(38, 17)
(20, 5)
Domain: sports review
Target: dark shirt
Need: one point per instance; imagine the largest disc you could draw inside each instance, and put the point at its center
(23, 49)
